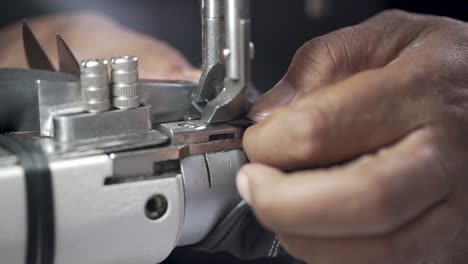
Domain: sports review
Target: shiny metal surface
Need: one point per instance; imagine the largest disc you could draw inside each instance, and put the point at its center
(13, 225)
(232, 103)
(212, 8)
(170, 100)
(106, 224)
(67, 61)
(95, 85)
(57, 98)
(125, 103)
(213, 41)
(106, 165)
(6, 158)
(125, 82)
(210, 192)
(86, 126)
(140, 163)
(60, 150)
(21, 111)
(190, 132)
(35, 55)
(237, 26)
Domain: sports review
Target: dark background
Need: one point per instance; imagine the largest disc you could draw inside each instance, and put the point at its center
(280, 27)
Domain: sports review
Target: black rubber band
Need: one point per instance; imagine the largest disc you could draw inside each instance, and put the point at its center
(39, 197)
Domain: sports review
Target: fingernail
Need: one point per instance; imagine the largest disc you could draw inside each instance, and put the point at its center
(280, 95)
(242, 182)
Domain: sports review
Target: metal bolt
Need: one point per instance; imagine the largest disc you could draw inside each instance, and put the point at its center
(125, 82)
(95, 85)
(226, 54)
(156, 207)
(252, 50)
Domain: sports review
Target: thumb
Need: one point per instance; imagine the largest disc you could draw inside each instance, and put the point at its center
(263, 189)
(254, 177)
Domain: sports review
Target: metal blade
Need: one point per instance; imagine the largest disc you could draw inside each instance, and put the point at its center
(67, 61)
(35, 55)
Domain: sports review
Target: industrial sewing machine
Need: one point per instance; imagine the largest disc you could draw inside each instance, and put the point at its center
(124, 170)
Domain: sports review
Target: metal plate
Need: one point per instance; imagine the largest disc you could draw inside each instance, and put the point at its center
(86, 126)
(57, 98)
(13, 226)
(58, 150)
(170, 100)
(196, 131)
(106, 224)
(210, 192)
(21, 111)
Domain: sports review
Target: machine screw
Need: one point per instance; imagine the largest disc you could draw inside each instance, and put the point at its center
(95, 85)
(156, 207)
(252, 50)
(125, 82)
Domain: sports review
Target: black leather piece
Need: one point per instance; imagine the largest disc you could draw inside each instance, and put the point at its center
(241, 235)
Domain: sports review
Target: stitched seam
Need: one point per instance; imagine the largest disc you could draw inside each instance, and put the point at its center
(275, 254)
(270, 252)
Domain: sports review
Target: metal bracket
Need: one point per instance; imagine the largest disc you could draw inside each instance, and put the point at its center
(86, 126)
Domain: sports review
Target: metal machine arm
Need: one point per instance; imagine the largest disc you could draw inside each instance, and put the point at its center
(103, 172)
(225, 98)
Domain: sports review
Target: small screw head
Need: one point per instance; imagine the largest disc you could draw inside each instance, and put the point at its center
(94, 66)
(127, 63)
(251, 50)
(156, 207)
(226, 54)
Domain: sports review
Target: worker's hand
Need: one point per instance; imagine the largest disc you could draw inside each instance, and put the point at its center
(92, 35)
(362, 154)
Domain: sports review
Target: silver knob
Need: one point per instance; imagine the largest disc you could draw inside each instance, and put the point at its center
(125, 82)
(95, 85)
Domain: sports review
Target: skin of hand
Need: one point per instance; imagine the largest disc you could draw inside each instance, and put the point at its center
(361, 152)
(93, 35)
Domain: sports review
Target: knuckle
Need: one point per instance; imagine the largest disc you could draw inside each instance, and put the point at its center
(315, 59)
(395, 13)
(310, 47)
(319, 122)
(431, 153)
(385, 209)
(396, 17)
(307, 132)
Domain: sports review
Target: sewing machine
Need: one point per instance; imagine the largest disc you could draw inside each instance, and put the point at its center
(124, 170)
